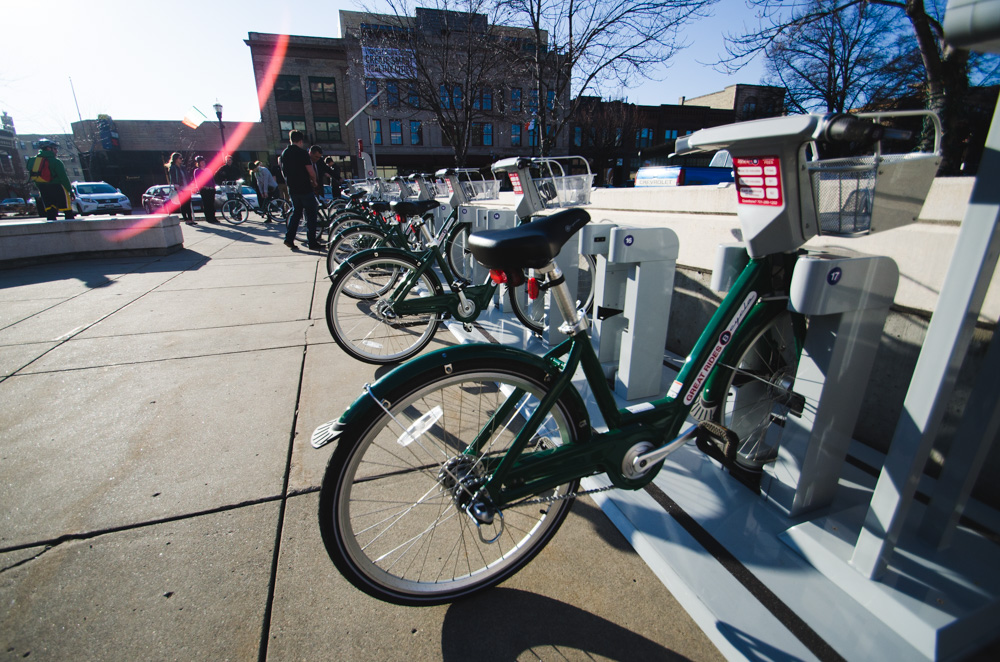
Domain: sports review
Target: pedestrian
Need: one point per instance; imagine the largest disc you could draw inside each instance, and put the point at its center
(282, 188)
(229, 172)
(336, 183)
(179, 180)
(265, 183)
(322, 169)
(49, 174)
(300, 177)
(205, 181)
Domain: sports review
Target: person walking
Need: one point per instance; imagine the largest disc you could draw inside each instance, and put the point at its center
(178, 179)
(300, 177)
(205, 180)
(265, 183)
(49, 175)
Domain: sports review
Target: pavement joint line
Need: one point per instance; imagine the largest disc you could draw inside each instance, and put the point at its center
(96, 533)
(265, 631)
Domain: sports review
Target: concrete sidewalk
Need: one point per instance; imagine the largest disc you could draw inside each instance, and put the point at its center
(159, 492)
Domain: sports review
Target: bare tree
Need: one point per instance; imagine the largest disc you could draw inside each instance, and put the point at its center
(842, 60)
(447, 57)
(945, 68)
(603, 132)
(588, 47)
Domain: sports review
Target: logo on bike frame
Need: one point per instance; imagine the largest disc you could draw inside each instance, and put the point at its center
(720, 345)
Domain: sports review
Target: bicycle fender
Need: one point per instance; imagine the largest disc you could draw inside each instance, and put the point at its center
(440, 362)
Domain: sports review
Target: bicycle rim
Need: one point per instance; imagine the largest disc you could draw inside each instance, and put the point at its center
(349, 242)
(361, 315)
(235, 211)
(456, 250)
(392, 515)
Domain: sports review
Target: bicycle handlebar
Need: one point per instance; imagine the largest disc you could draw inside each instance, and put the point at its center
(850, 129)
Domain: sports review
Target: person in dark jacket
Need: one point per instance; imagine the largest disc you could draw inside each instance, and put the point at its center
(179, 180)
(205, 180)
(54, 194)
(300, 176)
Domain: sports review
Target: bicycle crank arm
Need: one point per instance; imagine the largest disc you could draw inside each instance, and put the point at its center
(643, 462)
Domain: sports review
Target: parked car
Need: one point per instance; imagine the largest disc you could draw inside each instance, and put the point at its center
(156, 196)
(719, 171)
(99, 198)
(13, 206)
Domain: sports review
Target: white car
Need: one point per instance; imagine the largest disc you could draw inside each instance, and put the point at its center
(99, 198)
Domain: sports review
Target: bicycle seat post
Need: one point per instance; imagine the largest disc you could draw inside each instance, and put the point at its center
(576, 320)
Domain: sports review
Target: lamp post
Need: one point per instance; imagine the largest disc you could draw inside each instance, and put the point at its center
(222, 130)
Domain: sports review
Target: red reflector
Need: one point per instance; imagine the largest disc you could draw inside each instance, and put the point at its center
(498, 276)
(532, 288)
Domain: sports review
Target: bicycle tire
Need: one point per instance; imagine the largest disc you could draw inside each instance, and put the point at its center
(360, 314)
(279, 210)
(235, 211)
(456, 251)
(758, 392)
(342, 222)
(349, 242)
(390, 515)
(531, 312)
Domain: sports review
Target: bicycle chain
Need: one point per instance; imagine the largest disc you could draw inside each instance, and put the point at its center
(570, 495)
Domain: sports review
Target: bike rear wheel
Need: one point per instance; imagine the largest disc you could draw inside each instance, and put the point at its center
(361, 308)
(235, 211)
(456, 251)
(279, 210)
(393, 514)
(350, 241)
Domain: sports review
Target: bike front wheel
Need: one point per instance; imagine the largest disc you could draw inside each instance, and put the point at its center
(456, 250)
(759, 396)
(394, 506)
(235, 211)
(529, 304)
(361, 308)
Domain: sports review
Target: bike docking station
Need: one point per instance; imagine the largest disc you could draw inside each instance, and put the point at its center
(633, 289)
(830, 563)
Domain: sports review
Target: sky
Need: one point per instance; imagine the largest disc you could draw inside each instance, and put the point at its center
(137, 59)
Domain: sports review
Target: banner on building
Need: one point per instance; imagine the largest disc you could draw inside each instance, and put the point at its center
(193, 118)
(389, 63)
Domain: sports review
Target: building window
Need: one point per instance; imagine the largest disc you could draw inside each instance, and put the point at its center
(327, 130)
(377, 132)
(515, 100)
(643, 137)
(413, 97)
(670, 134)
(287, 88)
(451, 96)
(323, 90)
(482, 134)
(515, 135)
(533, 101)
(550, 99)
(371, 89)
(416, 133)
(483, 100)
(392, 95)
(533, 136)
(395, 132)
(287, 124)
(578, 136)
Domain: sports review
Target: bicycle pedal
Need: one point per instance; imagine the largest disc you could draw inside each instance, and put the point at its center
(718, 442)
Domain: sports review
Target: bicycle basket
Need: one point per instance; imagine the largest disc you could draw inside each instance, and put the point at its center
(440, 189)
(484, 189)
(859, 195)
(566, 191)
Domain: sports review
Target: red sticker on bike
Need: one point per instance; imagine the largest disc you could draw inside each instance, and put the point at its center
(758, 181)
(515, 181)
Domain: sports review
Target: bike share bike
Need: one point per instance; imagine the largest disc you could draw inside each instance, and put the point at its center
(385, 303)
(454, 470)
(237, 209)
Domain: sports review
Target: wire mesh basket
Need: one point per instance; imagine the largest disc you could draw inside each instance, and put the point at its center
(483, 189)
(439, 189)
(565, 191)
(850, 194)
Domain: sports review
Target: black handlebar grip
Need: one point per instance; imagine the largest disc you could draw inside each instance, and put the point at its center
(850, 129)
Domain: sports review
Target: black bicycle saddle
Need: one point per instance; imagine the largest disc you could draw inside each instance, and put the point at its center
(528, 246)
(415, 208)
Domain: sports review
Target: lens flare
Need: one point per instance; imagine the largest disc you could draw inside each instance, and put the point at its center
(232, 144)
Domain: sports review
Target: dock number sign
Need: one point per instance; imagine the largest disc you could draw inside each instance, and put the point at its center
(758, 181)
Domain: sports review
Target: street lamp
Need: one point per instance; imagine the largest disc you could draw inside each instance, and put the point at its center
(222, 130)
